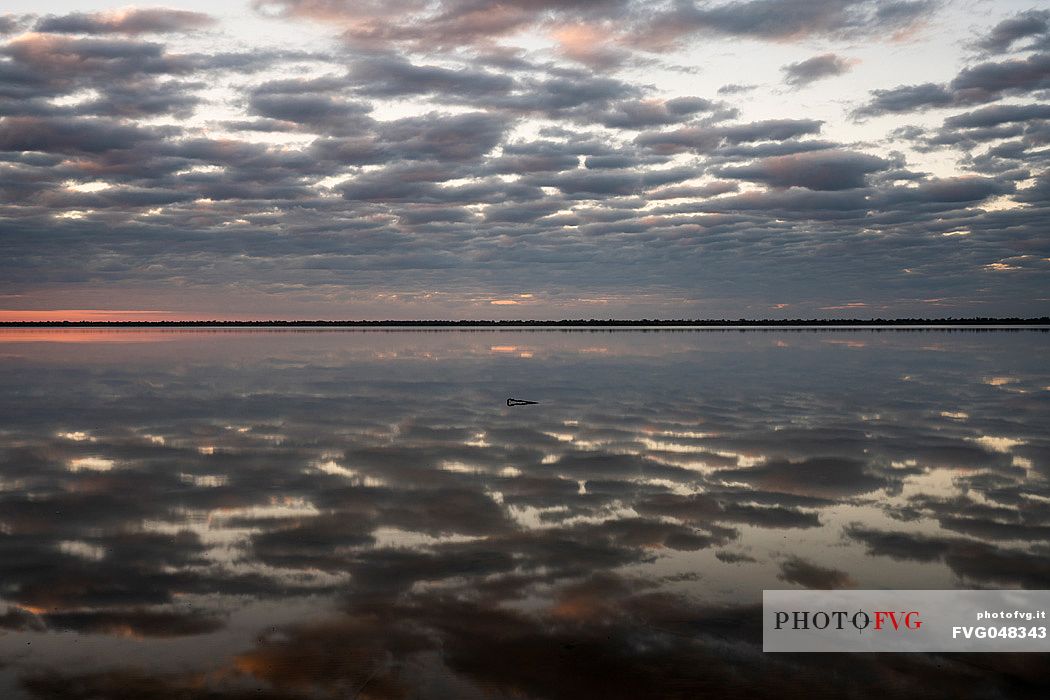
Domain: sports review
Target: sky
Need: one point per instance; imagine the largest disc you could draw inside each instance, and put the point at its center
(418, 159)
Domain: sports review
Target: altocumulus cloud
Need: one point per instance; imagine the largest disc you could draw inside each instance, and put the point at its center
(824, 66)
(425, 159)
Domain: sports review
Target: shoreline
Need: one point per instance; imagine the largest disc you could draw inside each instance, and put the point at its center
(974, 323)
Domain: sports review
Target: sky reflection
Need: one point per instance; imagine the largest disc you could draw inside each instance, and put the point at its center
(318, 514)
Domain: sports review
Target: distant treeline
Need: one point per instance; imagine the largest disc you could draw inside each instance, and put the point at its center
(592, 322)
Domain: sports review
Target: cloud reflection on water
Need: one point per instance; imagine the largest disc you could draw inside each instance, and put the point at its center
(295, 514)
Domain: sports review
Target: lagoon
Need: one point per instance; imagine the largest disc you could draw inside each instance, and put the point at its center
(292, 513)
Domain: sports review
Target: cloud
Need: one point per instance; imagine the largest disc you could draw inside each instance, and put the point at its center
(534, 156)
(998, 114)
(735, 89)
(637, 114)
(446, 25)
(610, 181)
(947, 190)
(388, 76)
(698, 192)
(62, 58)
(734, 557)
(451, 138)
(810, 575)
(129, 78)
(1002, 36)
(308, 106)
(783, 20)
(971, 560)
(589, 44)
(708, 138)
(701, 509)
(910, 98)
(135, 623)
(73, 136)
(597, 34)
(817, 68)
(818, 476)
(8, 24)
(979, 84)
(448, 138)
(130, 21)
(820, 170)
(995, 78)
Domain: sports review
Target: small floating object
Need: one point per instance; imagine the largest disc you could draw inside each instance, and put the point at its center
(520, 402)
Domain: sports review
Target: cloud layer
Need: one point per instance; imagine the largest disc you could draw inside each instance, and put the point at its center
(438, 159)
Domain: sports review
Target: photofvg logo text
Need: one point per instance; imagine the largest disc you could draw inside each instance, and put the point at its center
(905, 620)
(860, 620)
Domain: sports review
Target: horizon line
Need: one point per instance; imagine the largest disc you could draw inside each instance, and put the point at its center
(592, 322)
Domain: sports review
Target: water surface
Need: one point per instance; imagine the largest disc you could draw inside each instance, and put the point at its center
(357, 513)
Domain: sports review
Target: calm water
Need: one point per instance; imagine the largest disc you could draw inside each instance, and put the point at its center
(235, 514)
